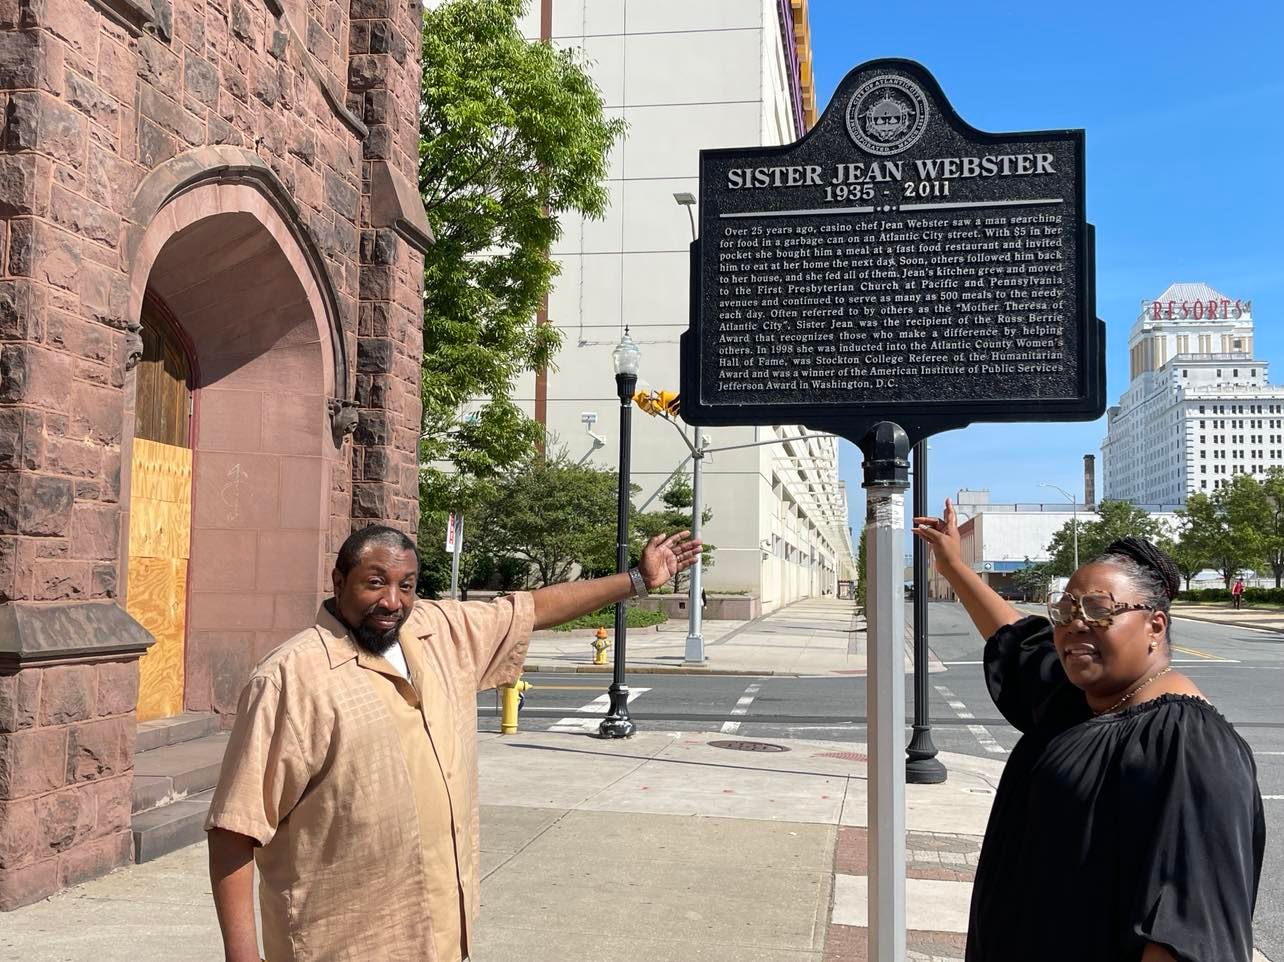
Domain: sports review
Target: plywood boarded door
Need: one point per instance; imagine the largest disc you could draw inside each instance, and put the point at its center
(160, 515)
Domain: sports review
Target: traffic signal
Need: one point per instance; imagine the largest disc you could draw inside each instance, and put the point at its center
(661, 403)
(668, 403)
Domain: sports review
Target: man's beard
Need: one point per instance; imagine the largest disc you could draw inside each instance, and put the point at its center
(366, 638)
(374, 641)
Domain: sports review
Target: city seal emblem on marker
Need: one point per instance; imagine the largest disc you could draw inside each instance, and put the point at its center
(887, 114)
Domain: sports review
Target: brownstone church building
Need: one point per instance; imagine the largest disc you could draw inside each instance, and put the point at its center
(211, 268)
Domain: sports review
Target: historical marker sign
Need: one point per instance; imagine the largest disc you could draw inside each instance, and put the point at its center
(894, 264)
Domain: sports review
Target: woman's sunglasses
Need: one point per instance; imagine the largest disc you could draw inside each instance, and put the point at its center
(1095, 608)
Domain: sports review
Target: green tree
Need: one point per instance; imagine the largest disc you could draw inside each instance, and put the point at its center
(678, 499)
(1186, 551)
(1228, 527)
(1273, 533)
(1114, 520)
(860, 569)
(512, 136)
(1247, 509)
(1033, 579)
(553, 514)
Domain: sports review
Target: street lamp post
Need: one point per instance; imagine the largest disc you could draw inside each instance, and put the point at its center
(694, 649)
(922, 767)
(1074, 517)
(625, 359)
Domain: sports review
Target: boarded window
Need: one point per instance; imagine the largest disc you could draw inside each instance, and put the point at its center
(163, 403)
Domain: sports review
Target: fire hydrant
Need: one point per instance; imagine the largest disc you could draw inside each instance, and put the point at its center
(512, 697)
(599, 647)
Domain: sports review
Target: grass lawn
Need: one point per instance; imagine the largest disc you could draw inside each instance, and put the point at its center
(605, 618)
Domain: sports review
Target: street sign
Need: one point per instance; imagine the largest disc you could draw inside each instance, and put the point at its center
(451, 530)
(894, 264)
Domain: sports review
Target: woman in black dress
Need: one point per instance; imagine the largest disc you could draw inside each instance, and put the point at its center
(1128, 825)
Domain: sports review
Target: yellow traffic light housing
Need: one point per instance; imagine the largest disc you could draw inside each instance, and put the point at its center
(668, 402)
(662, 403)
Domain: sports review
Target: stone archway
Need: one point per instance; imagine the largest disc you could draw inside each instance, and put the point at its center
(241, 290)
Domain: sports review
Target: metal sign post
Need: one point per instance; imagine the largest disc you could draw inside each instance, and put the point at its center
(886, 465)
(454, 544)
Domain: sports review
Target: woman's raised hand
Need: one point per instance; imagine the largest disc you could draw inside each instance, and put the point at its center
(942, 534)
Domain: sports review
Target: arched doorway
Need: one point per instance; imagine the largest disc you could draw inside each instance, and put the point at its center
(160, 519)
(264, 462)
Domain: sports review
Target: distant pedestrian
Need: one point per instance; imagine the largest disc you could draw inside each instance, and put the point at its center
(351, 775)
(1128, 824)
(1237, 594)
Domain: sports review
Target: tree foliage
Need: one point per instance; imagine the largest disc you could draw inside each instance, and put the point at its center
(1229, 529)
(512, 136)
(1187, 553)
(1114, 520)
(552, 513)
(1273, 529)
(678, 499)
(860, 569)
(1033, 579)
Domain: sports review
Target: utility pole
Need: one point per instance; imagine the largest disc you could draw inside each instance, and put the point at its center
(1074, 517)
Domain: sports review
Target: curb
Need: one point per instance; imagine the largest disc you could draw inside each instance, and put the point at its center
(1206, 619)
(552, 634)
(653, 670)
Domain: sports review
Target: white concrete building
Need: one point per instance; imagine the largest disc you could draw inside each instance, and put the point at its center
(685, 75)
(999, 540)
(1199, 408)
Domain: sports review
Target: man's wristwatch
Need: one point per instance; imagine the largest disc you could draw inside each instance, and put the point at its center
(639, 584)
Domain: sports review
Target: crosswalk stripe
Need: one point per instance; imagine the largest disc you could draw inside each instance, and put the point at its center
(596, 707)
(980, 732)
(742, 708)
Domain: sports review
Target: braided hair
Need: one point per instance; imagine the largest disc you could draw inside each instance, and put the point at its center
(1151, 571)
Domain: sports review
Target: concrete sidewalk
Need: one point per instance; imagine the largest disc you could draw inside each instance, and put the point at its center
(1263, 619)
(817, 636)
(661, 848)
(667, 847)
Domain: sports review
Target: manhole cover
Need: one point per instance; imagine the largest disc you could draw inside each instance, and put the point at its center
(848, 756)
(740, 746)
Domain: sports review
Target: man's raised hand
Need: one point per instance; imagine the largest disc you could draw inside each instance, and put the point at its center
(665, 555)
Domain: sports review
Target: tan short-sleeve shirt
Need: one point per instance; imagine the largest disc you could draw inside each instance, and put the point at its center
(361, 789)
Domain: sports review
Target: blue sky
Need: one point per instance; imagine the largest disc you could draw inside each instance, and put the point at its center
(1183, 104)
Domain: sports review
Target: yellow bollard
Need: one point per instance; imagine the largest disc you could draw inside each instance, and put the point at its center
(599, 647)
(512, 697)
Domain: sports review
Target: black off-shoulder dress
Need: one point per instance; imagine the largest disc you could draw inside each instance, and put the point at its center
(1143, 825)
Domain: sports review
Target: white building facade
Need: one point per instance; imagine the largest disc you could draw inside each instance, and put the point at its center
(685, 76)
(998, 540)
(1199, 408)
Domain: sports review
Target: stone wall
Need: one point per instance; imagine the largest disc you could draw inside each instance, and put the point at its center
(115, 111)
(66, 774)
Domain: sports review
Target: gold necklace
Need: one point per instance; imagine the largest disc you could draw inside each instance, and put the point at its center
(1116, 705)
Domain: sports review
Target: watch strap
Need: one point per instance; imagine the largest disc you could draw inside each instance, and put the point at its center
(639, 584)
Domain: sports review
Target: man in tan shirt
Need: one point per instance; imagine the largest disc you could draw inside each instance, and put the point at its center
(351, 774)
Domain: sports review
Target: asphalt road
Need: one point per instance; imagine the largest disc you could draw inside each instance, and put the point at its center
(1240, 670)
